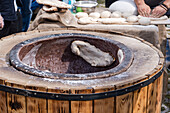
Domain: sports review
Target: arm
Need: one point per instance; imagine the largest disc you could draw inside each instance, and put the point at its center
(167, 3)
(1, 21)
(143, 8)
(161, 10)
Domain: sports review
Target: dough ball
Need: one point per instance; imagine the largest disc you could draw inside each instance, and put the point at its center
(94, 15)
(116, 14)
(81, 15)
(132, 18)
(124, 6)
(144, 21)
(87, 20)
(91, 54)
(126, 15)
(105, 14)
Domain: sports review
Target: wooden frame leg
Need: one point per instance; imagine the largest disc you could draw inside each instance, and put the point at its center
(162, 42)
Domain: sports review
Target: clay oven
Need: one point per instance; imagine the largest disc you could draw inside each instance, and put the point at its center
(40, 74)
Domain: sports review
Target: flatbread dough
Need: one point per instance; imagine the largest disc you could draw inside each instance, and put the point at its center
(113, 20)
(156, 19)
(87, 20)
(54, 3)
(91, 54)
(49, 8)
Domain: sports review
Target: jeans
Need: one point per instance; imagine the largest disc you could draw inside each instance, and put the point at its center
(26, 14)
(35, 5)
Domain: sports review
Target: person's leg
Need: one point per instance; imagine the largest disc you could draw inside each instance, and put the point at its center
(19, 21)
(16, 26)
(26, 13)
(6, 29)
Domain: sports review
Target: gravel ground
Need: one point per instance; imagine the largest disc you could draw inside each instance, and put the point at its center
(166, 104)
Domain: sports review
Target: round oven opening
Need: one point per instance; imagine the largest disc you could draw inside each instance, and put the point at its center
(51, 57)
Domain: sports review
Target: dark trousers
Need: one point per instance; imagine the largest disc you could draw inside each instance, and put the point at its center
(26, 14)
(11, 27)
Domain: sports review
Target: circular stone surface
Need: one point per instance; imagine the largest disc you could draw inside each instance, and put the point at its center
(51, 57)
(146, 60)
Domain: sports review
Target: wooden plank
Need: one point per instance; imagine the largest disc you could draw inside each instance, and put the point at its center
(124, 102)
(151, 103)
(161, 22)
(154, 96)
(3, 98)
(104, 105)
(36, 105)
(163, 41)
(56, 106)
(82, 106)
(159, 94)
(140, 99)
(162, 38)
(16, 103)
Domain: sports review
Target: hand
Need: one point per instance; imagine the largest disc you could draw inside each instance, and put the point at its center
(158, 12)
(1, 22)
(144, 10)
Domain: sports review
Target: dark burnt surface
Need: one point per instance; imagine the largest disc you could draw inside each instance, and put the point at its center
(58, 58)
(51, 57)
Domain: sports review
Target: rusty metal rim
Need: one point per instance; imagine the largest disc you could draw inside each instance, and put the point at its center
(80, 97)
(15, 61)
